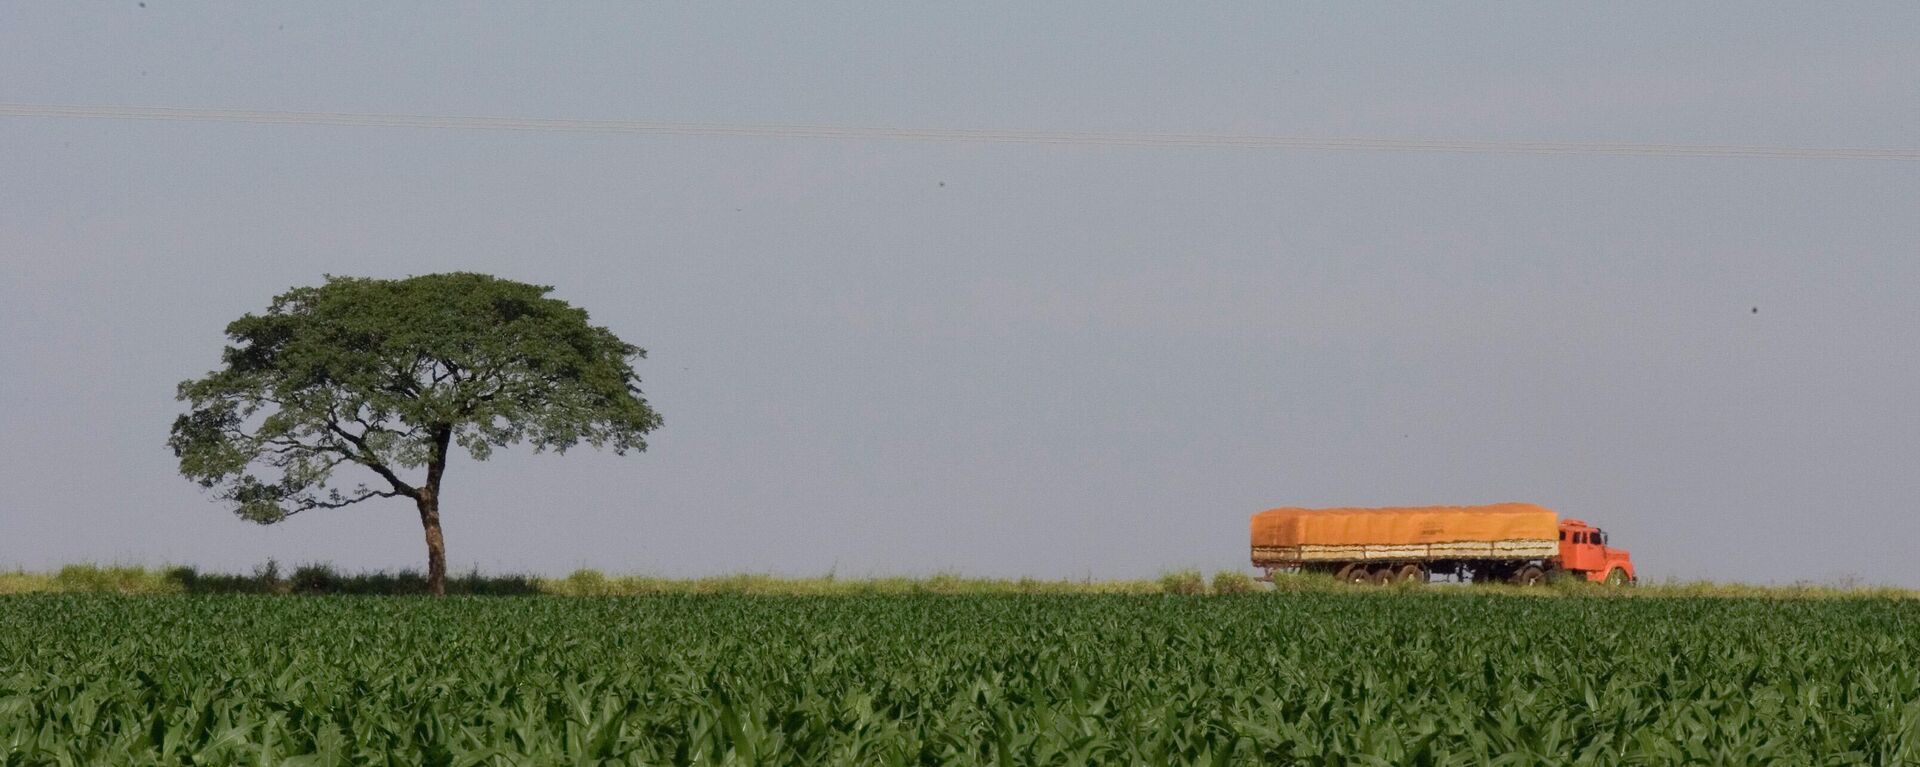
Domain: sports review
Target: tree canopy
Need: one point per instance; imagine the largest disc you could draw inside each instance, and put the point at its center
(385, 376)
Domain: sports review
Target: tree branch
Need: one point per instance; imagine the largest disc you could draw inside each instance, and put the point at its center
(339, 501)
(368, 459)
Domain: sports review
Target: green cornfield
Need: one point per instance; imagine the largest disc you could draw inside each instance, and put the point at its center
(1308, 679)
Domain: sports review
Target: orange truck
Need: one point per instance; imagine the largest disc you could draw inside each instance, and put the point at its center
(1517, 543)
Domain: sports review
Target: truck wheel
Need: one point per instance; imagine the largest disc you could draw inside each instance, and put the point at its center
(1530, 575)
(1383, 575)
(1411, 574)
(1618, 577)
(1354, 573)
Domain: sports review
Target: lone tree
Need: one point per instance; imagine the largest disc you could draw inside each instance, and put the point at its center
(386, 376)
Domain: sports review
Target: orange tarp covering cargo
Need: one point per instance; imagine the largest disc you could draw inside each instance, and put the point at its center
(1404, 526)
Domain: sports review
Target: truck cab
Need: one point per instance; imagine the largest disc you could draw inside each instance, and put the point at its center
(1584, 553)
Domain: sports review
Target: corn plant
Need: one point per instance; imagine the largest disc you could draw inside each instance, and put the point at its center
(1294, 679)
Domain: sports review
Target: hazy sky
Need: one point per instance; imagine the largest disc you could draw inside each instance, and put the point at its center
(901, 358)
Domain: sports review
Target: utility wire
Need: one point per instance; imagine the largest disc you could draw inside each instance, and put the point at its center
(774, 130)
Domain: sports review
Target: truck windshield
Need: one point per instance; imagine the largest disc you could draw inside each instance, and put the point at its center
(1600, 537)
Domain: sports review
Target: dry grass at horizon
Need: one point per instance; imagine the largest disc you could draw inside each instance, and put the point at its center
(322, 579)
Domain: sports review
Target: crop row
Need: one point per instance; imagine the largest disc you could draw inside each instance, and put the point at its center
(1325, 679)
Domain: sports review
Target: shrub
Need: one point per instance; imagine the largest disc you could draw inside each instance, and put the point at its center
(1183, 582)
(267, 578)
(492, 585)
(182, 578)
(316, 578)
(1233, 582)
(943, 583)
(585, 582)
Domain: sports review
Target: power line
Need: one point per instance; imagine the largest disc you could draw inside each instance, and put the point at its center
(775, 130)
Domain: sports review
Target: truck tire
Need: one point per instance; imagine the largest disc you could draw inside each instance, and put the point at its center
(1355, 573)
(1618, 577)
(1531, 575)
(1410, 574)
(1382, 575)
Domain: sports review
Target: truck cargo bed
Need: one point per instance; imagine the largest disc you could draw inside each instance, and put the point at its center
(1287, 556)
(1296, 527)
(1295, 537)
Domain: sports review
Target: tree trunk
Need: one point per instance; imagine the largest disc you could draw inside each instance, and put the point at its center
(429, 502)
(436, 546)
